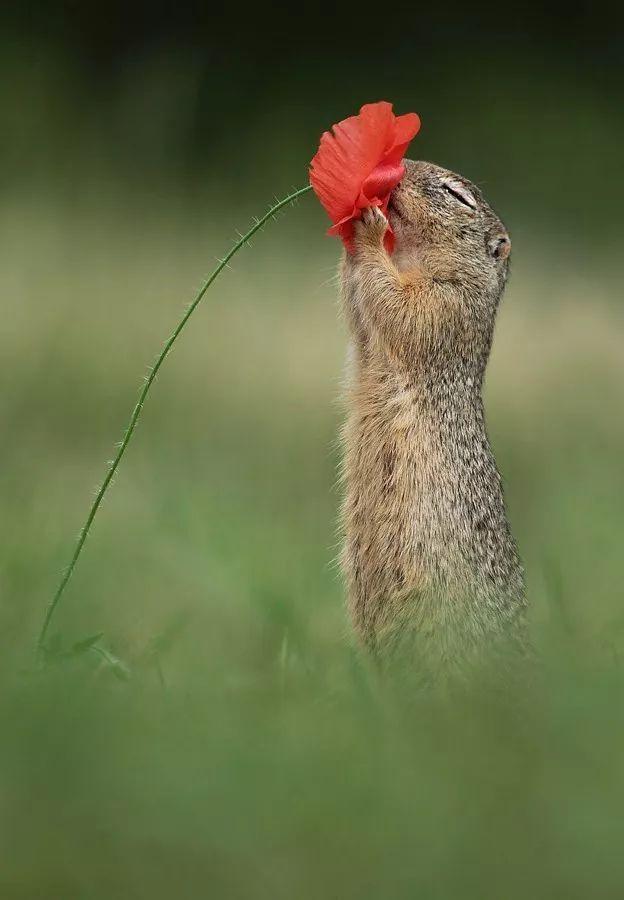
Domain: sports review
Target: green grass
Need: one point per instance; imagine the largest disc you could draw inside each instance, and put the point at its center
(251, 753)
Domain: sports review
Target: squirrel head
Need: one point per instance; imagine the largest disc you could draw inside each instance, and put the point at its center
(443, 225)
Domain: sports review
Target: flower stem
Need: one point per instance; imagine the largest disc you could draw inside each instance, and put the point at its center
(139, 406)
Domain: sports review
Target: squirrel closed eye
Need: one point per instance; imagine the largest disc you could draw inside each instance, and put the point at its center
(460, 193)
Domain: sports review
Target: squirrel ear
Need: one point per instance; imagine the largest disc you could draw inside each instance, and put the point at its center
(499, 246)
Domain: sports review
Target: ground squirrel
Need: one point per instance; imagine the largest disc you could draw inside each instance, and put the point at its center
(428, 550)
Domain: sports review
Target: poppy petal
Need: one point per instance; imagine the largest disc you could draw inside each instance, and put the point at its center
(358, 164)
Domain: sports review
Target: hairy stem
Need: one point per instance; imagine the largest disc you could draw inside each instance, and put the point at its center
(139, 406)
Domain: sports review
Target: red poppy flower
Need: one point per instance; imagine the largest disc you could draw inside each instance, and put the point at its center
(359, 163)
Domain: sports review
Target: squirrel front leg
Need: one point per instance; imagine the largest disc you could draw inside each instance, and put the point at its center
(351, 312)
(408, 312)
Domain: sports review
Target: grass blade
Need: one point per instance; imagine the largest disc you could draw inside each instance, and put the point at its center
(258, 223)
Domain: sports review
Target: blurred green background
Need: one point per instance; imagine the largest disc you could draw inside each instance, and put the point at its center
(241, 748)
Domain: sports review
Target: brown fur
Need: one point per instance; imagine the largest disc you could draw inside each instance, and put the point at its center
(428, 555)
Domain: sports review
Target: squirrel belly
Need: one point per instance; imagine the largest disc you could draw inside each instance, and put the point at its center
(428, 552)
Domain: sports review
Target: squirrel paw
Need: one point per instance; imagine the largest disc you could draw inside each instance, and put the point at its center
(371, 228)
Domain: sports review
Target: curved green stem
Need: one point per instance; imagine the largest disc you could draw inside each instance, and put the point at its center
(139, 406)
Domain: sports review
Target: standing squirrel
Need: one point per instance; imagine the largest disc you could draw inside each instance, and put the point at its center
(429, 557)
